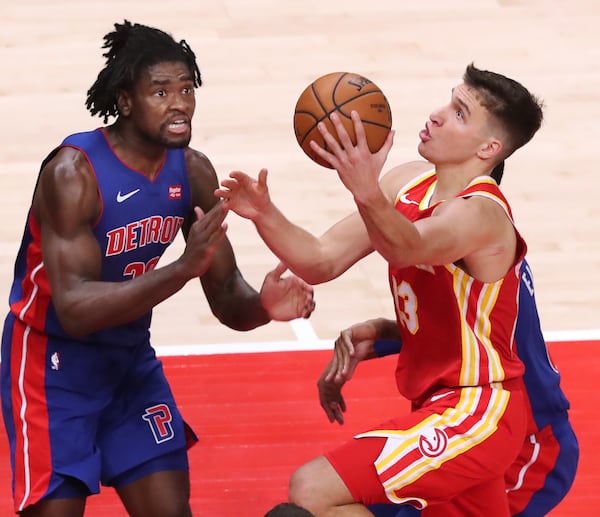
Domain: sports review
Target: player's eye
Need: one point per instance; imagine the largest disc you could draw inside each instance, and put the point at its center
(160, 93)
(460, 114)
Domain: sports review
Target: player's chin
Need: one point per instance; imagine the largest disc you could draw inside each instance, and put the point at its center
(423, 150)
(177, 141)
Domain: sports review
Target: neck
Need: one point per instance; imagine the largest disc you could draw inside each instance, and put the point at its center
(452, 179)
(135, 151)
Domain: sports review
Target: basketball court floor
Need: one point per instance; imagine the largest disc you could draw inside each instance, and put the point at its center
(258, 417)
(251, 397)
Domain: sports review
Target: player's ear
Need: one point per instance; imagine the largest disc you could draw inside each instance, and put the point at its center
(490, 149)
(123, 103)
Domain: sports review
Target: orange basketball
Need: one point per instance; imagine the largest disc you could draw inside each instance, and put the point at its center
(342, 92)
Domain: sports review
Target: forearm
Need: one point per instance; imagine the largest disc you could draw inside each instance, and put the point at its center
(301, 251)
(367, 338)
(89, 306)
(236, 304)
(247, 314)
(388, 341)
(393, 236)
(386, 328)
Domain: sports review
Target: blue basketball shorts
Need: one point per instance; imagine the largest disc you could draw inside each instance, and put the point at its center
(90, 413)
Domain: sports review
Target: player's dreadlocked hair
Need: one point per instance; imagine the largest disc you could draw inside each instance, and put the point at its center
(131, 49)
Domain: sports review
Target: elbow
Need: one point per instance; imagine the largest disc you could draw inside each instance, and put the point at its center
(74, 328)
(408, 253)
(73, 322)
(311, 277)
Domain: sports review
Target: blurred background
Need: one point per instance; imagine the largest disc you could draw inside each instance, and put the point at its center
(257, 57)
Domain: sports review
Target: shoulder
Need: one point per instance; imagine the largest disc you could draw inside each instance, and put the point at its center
(66, 163)
(66, 178)
(484, 190)
(399, 176)
(203, 178)
(198, 164)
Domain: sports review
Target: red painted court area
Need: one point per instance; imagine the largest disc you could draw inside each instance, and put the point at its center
(258, 417)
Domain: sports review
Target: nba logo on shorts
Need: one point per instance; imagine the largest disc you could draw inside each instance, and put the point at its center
(159, 419)
(55, 360)
(433, 442)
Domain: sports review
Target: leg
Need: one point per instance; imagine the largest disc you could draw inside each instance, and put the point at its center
(144, 441)
(544, 471)
(67, 500)
(161, 494)
(487, 499)
(429, 458)
(55, 507)
(50, 420)
(317, 487)
(159, 487)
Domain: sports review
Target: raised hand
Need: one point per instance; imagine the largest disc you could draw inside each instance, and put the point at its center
(244, 195)
(205, 235)
(286, 298)
(357, 167)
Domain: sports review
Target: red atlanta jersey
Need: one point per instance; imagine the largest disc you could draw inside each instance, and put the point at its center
(456, 330)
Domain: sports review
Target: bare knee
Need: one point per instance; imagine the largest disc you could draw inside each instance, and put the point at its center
(301, 485)
(317, 487)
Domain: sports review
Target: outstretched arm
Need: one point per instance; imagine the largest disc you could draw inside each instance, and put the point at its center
(457, 228)
(315, 259)
(232, 300)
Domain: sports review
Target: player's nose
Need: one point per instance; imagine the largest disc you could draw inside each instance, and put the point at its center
(182, 102)
(436, 117)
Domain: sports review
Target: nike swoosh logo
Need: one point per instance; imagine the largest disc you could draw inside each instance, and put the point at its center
(124, 197)
(441, 396)
(406, 201)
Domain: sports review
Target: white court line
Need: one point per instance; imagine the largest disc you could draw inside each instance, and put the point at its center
(307, 339)
(304, 331)
(241, 348)
(572, 335)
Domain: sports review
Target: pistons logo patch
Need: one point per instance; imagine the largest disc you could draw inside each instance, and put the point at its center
(433, 442)
(159, 419)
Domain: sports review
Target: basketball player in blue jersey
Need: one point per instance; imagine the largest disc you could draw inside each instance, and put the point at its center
(545, 469)
(84, 398)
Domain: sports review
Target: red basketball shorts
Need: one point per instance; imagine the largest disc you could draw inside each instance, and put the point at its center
(448, 456)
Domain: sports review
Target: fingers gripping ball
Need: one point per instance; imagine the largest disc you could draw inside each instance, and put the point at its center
(342, 92)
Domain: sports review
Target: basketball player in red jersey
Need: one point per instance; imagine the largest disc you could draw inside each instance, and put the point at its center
(544, 471)
(454, 255)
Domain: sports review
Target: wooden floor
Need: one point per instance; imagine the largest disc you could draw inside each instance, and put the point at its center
(256, 58)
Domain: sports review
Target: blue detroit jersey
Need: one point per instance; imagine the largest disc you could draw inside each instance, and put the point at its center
(541, 377)
(139, 220)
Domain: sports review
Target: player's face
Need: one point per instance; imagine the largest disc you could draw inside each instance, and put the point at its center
(162, 104)
(455, 132)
